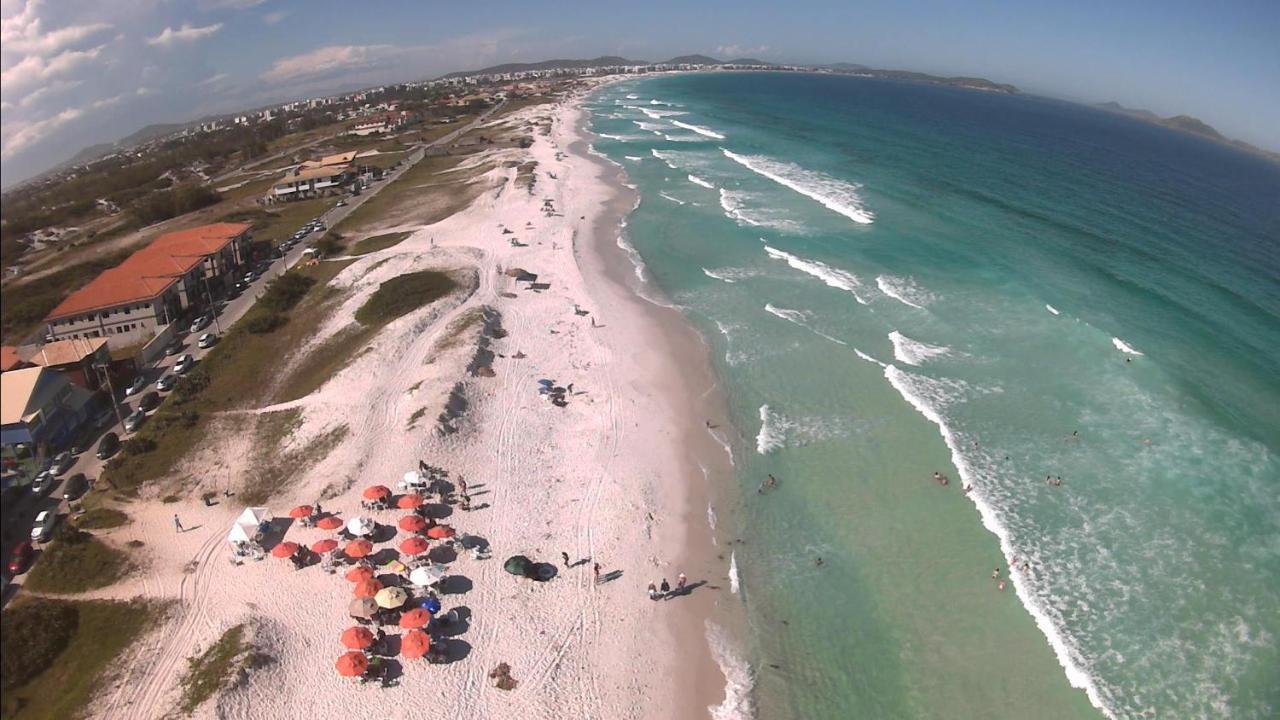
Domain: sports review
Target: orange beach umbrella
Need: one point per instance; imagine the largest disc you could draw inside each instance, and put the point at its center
(352, 664)
(415, 545)
(360, 573)
(358, 548)
(284, 550)
(412, 523)
(415, 619)
(300, 512)
(356, 638)
(367, 588)
(409, 502)
(324, 546)
(329, 522)
(415, 644)
(440, 532)
(376, 492)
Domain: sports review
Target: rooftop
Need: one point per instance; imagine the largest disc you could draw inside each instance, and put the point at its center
(64, 352)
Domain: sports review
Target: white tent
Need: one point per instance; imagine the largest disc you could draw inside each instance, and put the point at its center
(412, 481)
(246, 526)
(360, 526)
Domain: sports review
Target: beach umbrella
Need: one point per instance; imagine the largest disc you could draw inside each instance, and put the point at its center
(411, 478)
(367, 588)
(415, 619)
(352, 664)
(391, 597)
(356, 638)
(427, 575)
(360, 526)
(440, 532)
(324, 546)
(413, 523)
(415, 644)
(329, 522)
(431, 605)
(300, 512)
(409, 502)
(546, 383)
(284, 550)
(362, 607)
(376, 492)
(360, 573)
(517, 564)
(358, 548)
(415, 545)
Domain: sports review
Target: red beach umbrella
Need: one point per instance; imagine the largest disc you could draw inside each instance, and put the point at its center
(352, 664)
(376, 492)
(284, 550)
(415, 545)
(367, 588)
(415, 644)
(409, 502)
(329, 522)
(356, 638)
(300, 512)
(415, 619)
(440, 532)
(413, 523)
(358, 548)
(324, 546)
(360, 573)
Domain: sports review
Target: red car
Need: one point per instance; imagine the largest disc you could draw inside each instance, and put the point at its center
(21, 558)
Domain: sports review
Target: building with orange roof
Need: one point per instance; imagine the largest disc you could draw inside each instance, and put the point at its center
(155, 286)
(10, 359)
(73, 357)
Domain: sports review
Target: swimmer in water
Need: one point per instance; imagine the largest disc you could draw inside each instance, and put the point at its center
(995, 574)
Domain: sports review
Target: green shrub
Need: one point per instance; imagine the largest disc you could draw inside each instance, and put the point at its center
(139, 445)
(286, 291)
(403, 294)
(190, 385)
(35, 633)
(263, 324)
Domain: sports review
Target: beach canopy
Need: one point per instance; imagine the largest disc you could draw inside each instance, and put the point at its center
(517, 565)
(367, 588)
(391, 597)
(376, 492)
(329, 522)
(300, 512)
(356, 638)
(246, 527)
(352, 664)
(360, 573)
(440, 532)
(415, 644)
(415, 545)
(415, 619)
(358, 548)
(408, 502)
(427, 575)
(284, 550)
(362, 607)
(413, 523)
(431, 605)
(412, 479)
(361, 525)
(324, 546)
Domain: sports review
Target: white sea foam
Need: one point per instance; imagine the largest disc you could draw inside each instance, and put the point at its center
(930, 397)
(665, 157)
(636, 261)
(711, 517)
(633, 97)
(739, 679)
(668, 197)
(778, 431)
(1052, 309)
(801, 318)
(905, 290)
(699, 181)
(1124, 347)
(730, 274)
(660, 114)
(734, 204)
(633, 158)
(682, 138)
(734, 585)
(770, 437)
(651, 127)
(698, 129)
(622, 138)
(833, 277)
(836, 195)
(914, 352)
(867, 357)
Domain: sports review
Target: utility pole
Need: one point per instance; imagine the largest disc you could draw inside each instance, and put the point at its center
(103, 368)
(209, 293)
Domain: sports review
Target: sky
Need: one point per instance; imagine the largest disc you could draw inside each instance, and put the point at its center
(78, 72)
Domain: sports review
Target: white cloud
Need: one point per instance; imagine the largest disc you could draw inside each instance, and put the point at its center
(24, 33)
(230, 4)
(187, 33)
(212, 79)
(33, 70)
(274, 17)
(328, 61)
(733, 52)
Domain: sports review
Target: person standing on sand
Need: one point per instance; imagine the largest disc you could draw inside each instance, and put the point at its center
(177, 524)
(665, 587)
(681, 581)
(653, 591)
(565, 555)
(595, 570)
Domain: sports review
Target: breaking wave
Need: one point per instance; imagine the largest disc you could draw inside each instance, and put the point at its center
(801, 318)
(739, 680)
(1124, 347)
(699, 181)
(914, 352)
(904, 290)
(778, 431)
(668, 197)
(730, 275)
(698, 129)
(832, 277)
(836, 195)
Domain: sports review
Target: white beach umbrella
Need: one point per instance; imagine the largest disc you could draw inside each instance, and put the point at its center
(360, 526)
(427, 575)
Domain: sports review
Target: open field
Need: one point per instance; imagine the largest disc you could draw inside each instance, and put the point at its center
(378, 242)
(420, 196)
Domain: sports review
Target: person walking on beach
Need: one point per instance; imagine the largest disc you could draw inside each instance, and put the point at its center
(462, 485)
(665, 587)
(565, 556)
(177, 524)
(653, 591)
(681, 581)
(595, 570)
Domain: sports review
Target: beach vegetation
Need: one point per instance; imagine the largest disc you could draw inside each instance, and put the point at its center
(211, 671)
(101, 518)
(378, 242)
(74, 562)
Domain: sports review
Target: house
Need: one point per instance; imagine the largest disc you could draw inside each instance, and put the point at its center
(153, 287)
(383, 122)
(74, 357)
(10, 359)
(308, 182)
(41, 407)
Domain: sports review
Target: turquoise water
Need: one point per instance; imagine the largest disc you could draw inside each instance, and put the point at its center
(900, 279)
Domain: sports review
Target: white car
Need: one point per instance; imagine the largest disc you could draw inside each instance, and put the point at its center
(206, 341)
(166, 383)
(201, 323)
(184, 363)
(42, 530)
(136, 386)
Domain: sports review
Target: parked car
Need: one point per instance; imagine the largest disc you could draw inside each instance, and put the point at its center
(43, 483)
(46, 521)
(134, 421)
(75, 486)
(200, 323)
(21, 558)
(207, 340)
(341, 203)
(166, 383)
(173, 348)
(149, 402)
(108, 446)
(184, 363)
(62, 462)
(136, 386)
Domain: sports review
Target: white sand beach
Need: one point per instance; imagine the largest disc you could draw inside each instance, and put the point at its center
(618, 476)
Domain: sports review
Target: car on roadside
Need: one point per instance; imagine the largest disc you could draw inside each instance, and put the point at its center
(200, 323)
(43, 483)
(173, 348)
(136, 386)
(149, 402)
(184, 363)
(43, 527)
(20, 560)
(75, 486)
(62, 462)
(134, 421)
(207, 341)
(341, 203)
(166, 383)
(108, 446)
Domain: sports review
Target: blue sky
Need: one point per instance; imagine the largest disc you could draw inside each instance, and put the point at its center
(76, 72)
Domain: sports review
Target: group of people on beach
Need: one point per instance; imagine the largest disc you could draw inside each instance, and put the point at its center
(664, 591)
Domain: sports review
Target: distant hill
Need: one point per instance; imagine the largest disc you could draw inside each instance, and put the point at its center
(692, 60)
(747, 61)
(1189, 124)
(604, 61)
(970, 83)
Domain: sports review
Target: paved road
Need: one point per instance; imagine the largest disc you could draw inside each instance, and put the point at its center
(19, 516)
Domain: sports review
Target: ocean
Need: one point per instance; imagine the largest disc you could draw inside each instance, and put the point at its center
(1071, 316)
